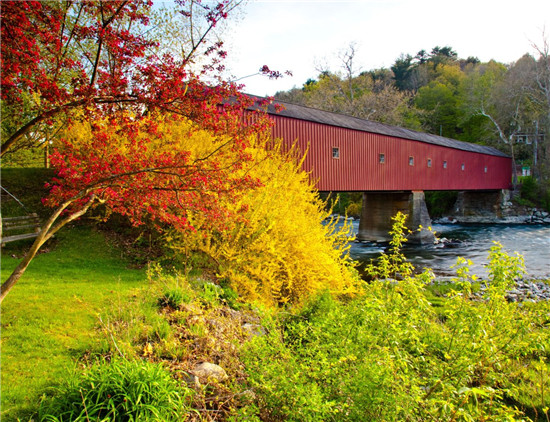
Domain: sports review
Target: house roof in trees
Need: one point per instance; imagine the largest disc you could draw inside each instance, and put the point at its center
(341, 120)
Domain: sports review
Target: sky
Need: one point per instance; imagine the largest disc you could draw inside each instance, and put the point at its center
(305, 35)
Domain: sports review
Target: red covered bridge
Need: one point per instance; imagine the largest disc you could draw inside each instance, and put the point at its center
(391, 165)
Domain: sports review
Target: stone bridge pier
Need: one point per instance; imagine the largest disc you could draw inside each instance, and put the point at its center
(481, 206)
(379, 208)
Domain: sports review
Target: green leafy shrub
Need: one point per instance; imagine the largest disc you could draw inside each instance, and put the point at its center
(440, 203)
(230, 296)
(340, 202)
(174, 298)
(390, 355)
(529, 189)
(172, 288)
(353, 210)
(118, 391)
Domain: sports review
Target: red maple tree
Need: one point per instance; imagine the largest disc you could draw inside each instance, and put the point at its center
(66, 62)
(95, 56)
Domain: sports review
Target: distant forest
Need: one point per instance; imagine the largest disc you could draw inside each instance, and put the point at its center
(502, 105)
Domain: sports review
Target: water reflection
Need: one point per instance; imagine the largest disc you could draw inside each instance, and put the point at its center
(472, 242)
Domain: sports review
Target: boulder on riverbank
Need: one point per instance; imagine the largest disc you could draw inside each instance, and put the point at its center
(495, 207)
(525, 291)
(531, 216)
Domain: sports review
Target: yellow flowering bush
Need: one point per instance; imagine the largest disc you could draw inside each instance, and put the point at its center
(283, 247)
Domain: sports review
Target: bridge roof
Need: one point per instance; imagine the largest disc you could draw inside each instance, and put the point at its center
(341, 120)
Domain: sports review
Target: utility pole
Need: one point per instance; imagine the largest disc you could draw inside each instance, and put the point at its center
(535, 151)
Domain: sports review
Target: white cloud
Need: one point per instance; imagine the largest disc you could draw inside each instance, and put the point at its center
(293, 34)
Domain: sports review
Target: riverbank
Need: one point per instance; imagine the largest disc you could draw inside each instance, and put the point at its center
(487, 210)
(523, 291)
(532, 216)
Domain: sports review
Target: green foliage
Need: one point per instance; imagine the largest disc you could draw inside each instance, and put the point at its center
(388, 355)
(440, 203)
(174, 289)
(119, 390)
(438, 100)
(353, 210)
(394, 264)
(339, 203)
(529, 189)
(174, 298)
(546, 200)
(534, 193)
(210, 293)
(230, 296)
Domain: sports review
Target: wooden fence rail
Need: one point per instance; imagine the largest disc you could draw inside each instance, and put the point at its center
(24, 227)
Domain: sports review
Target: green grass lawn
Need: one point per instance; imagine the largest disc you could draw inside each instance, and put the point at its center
(50, 317)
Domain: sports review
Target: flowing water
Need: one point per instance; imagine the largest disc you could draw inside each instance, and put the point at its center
(471, 242)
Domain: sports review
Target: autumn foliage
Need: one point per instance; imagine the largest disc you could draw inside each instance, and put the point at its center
(145, 170)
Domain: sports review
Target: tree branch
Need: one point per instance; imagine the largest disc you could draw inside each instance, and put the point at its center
(23, 130)
(30, 124)
(105, 24)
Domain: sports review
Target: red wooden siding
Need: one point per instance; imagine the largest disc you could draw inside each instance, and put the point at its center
(358, 168)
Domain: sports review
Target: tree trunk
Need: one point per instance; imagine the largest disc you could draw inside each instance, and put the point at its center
(20, 269)
(46, 232)
(514, 172)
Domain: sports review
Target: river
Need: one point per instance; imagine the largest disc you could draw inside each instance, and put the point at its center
(472, 242)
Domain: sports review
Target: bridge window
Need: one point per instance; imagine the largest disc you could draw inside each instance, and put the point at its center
(462, 167)
(485, 169)
(429, 162)
(444, 164)
(411, 161)
(382, 158)
(335, 152)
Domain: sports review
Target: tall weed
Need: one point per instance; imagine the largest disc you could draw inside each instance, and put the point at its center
(120, 390)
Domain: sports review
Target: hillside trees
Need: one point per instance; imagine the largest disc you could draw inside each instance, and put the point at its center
(87, 73)
(368, 95)
(411, 73)
(402, 70)
(439, 99)
(382, 95)
(500, 96)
